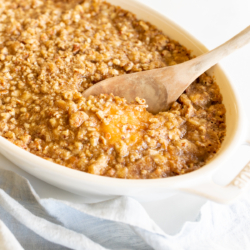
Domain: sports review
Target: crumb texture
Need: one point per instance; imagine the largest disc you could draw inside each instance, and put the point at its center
(51, 51)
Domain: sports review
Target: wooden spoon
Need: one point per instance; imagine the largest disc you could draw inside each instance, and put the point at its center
(161, 87)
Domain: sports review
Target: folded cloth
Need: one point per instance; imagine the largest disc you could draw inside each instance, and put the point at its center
(29, 223)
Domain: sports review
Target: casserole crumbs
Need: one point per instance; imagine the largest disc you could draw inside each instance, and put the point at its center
(51, 51)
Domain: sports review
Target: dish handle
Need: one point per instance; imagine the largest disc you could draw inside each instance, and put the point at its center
(223, 194)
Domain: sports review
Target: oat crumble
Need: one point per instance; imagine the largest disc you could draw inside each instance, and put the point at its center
(53, 50)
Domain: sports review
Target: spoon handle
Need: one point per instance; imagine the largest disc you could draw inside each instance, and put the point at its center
(200, 64)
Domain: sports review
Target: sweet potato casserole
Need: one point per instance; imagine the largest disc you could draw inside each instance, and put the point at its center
(53, 50)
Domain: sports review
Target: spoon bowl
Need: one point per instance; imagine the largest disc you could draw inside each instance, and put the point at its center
(161, 87)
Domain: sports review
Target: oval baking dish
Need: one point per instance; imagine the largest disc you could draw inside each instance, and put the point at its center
(97, 188)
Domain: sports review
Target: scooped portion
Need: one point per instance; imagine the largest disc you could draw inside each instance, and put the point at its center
(123, 140)
(108, 136)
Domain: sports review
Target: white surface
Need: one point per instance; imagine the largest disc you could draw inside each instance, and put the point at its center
(212, 23)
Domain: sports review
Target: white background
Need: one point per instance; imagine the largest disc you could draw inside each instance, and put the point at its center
(212, 22)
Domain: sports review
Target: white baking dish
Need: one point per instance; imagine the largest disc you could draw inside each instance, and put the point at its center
(97, 188)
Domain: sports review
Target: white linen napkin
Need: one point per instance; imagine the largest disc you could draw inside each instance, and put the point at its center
(27, 222)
